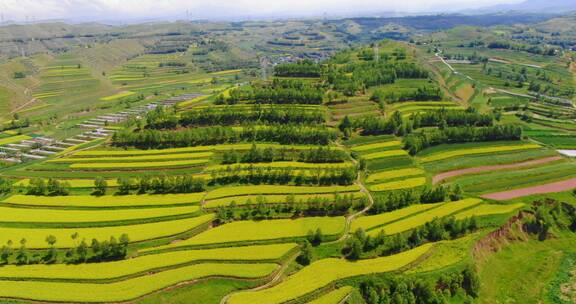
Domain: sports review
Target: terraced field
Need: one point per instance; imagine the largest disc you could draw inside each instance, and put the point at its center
(306, 280)
(124, 201)
(421, 218)
(368, 176)
(272, 230)
(35, 237)
(131, 288)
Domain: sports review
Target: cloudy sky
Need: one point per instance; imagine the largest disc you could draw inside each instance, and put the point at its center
(90, 10)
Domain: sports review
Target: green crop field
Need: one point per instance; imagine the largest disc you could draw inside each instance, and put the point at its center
(106, 201)
(140, 232)
(252, 231)
(218, 148)
(424, 217)
(471, 151)
(142, 158)
(307, 280)
(488, 209)
(488, 182)
(139, 165)
(446, 254)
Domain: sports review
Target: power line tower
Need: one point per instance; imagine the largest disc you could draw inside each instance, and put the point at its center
(376, 52)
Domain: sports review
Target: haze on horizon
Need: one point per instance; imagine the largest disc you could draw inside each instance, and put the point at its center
(133, 10)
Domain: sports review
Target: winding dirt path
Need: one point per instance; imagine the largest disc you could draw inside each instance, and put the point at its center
(445, 175)
(541, 189)
(275, 279)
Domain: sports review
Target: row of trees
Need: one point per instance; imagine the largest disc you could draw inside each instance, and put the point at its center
(549, 213)
(424, 93)
(401, 290)
(98, 251)
(444, 117)
(417, 142)
(272, 95)
(269, 154)
(50, 187)
(372, 125)
(160, 184)
(260, 208)
(438, 229)
(5, 186)
(272, 176)
(303, 68)
(393, 200)
(227, 116)
(255, 114)
(533, 49)
(284, 134)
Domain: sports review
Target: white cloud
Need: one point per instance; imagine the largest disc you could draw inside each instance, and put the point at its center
(216, 9)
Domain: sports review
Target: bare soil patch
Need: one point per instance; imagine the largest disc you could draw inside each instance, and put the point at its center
(541, 189)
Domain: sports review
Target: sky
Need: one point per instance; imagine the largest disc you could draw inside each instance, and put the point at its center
(99, 10)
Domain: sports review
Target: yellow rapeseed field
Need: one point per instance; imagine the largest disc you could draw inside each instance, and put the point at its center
(250, 231)
(379, 145)
(36, 237)
(427, 216)
(145, 263)
(372, 221)
(384, 154)
(322, 273)
(36, 215)
(140, 165)
(140, 158)
(384, 175)
(271, 189)
(128, 289)
(488, 209)
(108, 201)
(401, 184)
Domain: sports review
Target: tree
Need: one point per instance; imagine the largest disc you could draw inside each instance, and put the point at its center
(82, 251)
(100, 186)
(36, 186)
(355, 249)
(22, 257)
(317, 237)
(306, 254)
(51, 254)
(124, 185)
(5, 252)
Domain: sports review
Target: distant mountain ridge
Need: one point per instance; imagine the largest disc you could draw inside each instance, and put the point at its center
(536, 6)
